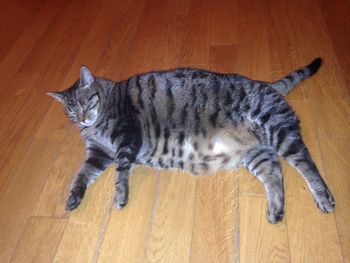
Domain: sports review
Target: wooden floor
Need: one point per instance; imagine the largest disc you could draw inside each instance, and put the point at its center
(171, 216)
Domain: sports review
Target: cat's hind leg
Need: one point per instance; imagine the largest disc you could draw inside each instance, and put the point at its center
(96, 162)
(278, 128)
(293, 150)
(263, 163)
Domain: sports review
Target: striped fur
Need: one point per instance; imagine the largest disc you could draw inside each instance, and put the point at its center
(193, 120)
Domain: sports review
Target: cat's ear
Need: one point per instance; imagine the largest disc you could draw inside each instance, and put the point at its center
(57, 96)
(86, 78)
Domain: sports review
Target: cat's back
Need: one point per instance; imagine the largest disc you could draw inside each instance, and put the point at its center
(182, 93)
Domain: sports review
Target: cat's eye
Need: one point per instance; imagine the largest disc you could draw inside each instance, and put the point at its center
(72, 115)
(91, 106)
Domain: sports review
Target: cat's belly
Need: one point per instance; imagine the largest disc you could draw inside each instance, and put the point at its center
(222, 149)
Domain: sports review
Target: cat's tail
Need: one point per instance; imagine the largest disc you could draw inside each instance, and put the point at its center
(285, 85)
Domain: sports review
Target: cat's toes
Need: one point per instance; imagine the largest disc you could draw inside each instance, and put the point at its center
(75, 198)
(325, 201)
(120, 203)
(72, 202)
(275, 216)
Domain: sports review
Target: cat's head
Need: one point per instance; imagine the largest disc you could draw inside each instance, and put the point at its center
(83, 102)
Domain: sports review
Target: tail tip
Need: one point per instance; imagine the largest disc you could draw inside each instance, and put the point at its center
(315, 65)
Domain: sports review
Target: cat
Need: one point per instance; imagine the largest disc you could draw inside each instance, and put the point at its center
(193, 120)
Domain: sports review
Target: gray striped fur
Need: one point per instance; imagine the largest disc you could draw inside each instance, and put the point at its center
(193, 120)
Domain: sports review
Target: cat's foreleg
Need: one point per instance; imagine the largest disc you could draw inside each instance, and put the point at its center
(96, 162)
(263, 163)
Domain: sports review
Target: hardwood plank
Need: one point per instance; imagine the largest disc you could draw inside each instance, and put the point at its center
(336, 16)
(39, 240)
(15, 130)
(181, 7)
(216, 231)
(223, 22)
(55, 124)
(13, 23)
(297, 47)
(293, 46)
(333, 116)
(73, 30)
(305, 221)
(286, 41)
(253, 58)
(335, 155)
(13, 60)
(195, 41)
(86, 225)
(259, 240)
(115, 58)
(53, 196)
(24, 187)
(148, 32)
(30, 108)
(184, 38)
(18, 53)
(172, 223)
(249, 185)
(127, 230)
(42, 19)
(223, 58)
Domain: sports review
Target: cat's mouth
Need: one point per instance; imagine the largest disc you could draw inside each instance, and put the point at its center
(87, 123)
(87, 120)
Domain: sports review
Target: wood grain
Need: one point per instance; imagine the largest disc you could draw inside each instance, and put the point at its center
(259, 240)
(18, 199)
(53, 196)
(39, 240)
(335, 155)
(86, 225)
(216, 231)
(128, 230)
(172, 223)
(305, 222)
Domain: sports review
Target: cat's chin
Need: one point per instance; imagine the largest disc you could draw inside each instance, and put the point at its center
(87, 123)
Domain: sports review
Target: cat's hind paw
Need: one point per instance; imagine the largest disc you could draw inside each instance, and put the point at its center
(325, 202)
(275, 216)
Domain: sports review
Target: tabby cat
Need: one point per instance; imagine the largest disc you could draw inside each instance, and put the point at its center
(193, 120)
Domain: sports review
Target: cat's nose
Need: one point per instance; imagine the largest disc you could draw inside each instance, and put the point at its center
(81, 118)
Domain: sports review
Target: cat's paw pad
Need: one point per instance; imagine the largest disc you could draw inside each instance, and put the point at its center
(325, 202)
(75, 198)
(275, 216)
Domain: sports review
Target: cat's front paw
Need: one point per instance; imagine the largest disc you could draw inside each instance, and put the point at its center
(75, 198)
(120, 201)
